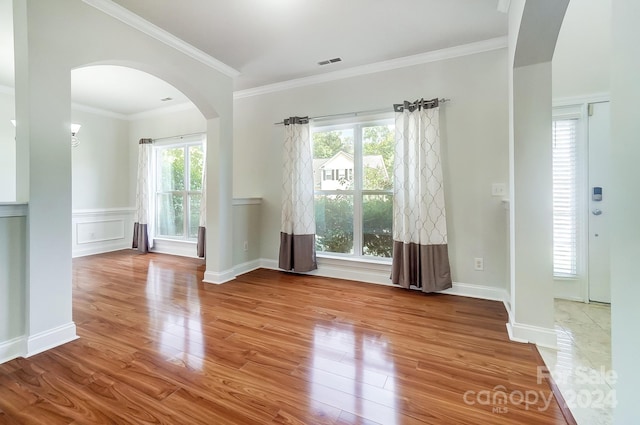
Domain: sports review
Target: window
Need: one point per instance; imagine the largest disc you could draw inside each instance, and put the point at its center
(565, 228)
(179, 189)
(353, 180)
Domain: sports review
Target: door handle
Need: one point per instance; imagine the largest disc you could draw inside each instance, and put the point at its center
(596, 211)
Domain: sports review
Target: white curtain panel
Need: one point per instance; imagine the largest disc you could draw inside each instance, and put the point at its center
(298, 225)
(420, 247)
(143, 229)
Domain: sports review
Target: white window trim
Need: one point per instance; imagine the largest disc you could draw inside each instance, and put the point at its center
(174, 142)
(579, 112)
(357, 123)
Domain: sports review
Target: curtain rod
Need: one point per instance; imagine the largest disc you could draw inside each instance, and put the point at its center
(357, 113)
(181, 136)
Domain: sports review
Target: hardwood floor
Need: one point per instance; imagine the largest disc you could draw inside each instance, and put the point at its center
(159, 346)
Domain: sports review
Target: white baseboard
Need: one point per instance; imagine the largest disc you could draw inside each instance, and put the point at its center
(477, 291)
(379, 274)
(12, 349)
(218, 278)
(96, 231)
(51, 338)
(543, 337)
(246, 267)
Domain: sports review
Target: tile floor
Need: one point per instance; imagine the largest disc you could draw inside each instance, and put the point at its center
(581, 366)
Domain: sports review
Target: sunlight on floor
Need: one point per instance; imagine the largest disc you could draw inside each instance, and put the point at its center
(581, 366)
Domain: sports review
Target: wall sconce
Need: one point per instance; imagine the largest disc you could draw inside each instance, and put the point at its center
(75, 142)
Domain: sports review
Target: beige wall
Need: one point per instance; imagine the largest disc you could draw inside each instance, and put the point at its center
(474, 131)
(100, 170)
(7, 149)
(582, 59)
(12, 277)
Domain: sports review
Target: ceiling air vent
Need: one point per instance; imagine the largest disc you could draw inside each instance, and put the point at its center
(329, 61)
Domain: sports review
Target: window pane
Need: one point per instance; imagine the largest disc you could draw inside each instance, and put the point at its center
(377, 157)
(565, 227)
(333, 160)
(377, 213)
(196, 162)
(171, 169)
(334, 223)
(194, 214)
(170, 214)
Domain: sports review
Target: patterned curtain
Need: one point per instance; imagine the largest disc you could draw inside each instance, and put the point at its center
(420, 250)
(202, 229)
(297, 233)
(145, 212)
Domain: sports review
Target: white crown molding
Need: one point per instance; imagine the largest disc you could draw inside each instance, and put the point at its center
(98, 111)
(134, 21)
(186, 106)
(422, 58)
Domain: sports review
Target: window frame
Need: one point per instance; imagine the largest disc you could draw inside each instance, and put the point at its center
(357, 124)
(578, 113)
(184, 142)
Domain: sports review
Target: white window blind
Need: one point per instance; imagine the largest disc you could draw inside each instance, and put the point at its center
(564, 198)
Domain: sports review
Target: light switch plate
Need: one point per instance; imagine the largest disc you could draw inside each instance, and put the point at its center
(498, 189)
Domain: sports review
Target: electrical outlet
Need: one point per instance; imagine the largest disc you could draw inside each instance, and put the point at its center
(478, 264)
(246, 246)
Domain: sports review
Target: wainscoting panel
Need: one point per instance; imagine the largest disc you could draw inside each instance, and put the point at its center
(102, 230)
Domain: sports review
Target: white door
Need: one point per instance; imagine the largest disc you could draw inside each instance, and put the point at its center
(599, 212)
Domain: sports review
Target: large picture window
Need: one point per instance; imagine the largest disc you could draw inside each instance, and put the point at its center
(353, 178)
(179, 189)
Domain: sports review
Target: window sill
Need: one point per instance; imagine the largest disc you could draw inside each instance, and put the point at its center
(328, 258)
(175, 241)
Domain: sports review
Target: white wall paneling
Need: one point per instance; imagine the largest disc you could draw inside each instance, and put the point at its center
(102, 230)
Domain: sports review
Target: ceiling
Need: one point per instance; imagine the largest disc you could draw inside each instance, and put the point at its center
(271, 41)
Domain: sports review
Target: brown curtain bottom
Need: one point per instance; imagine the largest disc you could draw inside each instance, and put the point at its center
(424, 266)
(140, 237)
(297, 252)
(201, 241)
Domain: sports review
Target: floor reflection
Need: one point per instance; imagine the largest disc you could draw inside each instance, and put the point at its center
(581, 365)
(178, 323)
(354, 372)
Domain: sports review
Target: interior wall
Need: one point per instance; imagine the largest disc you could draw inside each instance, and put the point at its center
(155, 126)
(100, 164)
(625, 204)
(474, 133)
(7, 148)
(582, 59)
(12, 278)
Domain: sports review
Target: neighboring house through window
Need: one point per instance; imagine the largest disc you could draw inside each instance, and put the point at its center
(353, 182)
(179, 163)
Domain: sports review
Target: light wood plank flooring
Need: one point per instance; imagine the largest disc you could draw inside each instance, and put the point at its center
(158, 346)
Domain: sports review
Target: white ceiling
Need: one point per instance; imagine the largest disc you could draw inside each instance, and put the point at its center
(271, 41)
